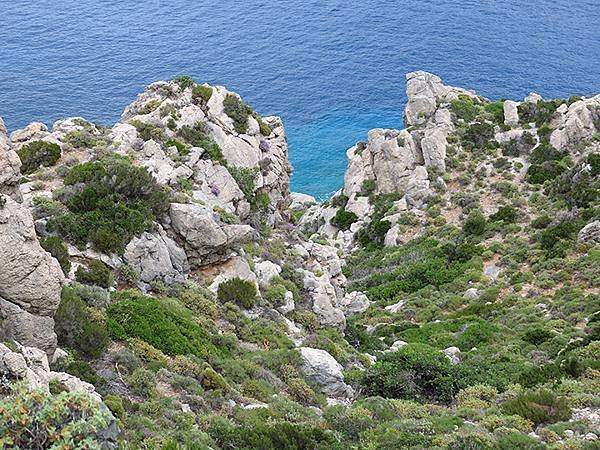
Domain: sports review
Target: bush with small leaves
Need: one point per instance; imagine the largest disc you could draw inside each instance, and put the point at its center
(201, 94)
(142, 382)
(196, 136)
(343, 219)
(539, 407)
(416, 371)
(77, 328)
(37, 154)
(475, 224)
(506, 214)
(36, 419)
(238, 111)
(97, 274)
(238, 291)
(57, 248)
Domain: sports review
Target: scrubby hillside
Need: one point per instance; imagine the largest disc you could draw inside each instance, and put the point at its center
(446, 297)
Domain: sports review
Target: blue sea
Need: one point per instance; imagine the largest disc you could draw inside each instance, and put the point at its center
(332, 69)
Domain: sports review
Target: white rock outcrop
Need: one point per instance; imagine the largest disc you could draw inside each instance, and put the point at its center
(322, 369)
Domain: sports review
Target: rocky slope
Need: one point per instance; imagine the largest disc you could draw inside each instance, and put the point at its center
(451, 282)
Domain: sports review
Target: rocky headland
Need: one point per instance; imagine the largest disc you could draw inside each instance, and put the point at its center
(446, 296)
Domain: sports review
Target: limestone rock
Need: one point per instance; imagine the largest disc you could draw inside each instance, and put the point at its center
(590, 234)
(511, 113)
(354, 303)
(266, 270)
(10, 166)
(156, 257)
(322, 369)
(433, 146)
(300, 201)
(580, 124)
(452, 354)
(206, 240)
(30, 280)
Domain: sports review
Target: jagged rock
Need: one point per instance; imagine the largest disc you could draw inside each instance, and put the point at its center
(532, 97)
(322, 369)
(417, 189)
(590, 234)
(354, 303)
(511, 113)
(433, 146)
(206, 240)
(10, 165)
(34, 131)
(156, 257)
(424, 91)
(266, 270)
(580, 124)
(324, 298)
(30, 280)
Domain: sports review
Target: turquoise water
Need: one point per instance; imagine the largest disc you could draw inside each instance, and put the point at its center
(331, 69)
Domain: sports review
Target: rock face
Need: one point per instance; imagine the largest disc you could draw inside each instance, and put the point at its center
(157, 257)
(30, 281)
(10, 166)
(206, 239)
(323, 370)
(577, 124)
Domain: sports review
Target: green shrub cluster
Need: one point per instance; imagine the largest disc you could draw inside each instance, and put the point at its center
(38, 154)
(77, 326)
(237, 291)
(36, 419)
(109, 202)
(539, 407)
(97, 274)
(163, 323)
(239, 112)
(343, 219)
(196, 137)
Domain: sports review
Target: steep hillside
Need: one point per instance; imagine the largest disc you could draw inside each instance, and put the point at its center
(446, 297)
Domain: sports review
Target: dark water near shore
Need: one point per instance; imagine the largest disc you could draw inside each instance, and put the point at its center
(331, 69)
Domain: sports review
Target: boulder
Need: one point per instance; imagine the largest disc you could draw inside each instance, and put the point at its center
(580, 124)
(590, 234)
(206, 239)
(354, 303)
(30, 280)
(452, 354)
(299, 201)
(433, 146)
(322, 369)
(265, 271)
(156, 257)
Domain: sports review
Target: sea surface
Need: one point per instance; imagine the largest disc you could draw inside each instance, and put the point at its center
(332, 69)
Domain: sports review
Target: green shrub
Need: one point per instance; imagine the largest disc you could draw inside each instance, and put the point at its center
(475, 224)
(477, 136)
(506, 214)
(343, 219)
(350, 421)
(212, 381)
(374, 233)
(37, 154)
(339, 201)
(97, 274)
(163, 323)
(142, 382)
(76, 327)
(35, 419)
(464, 108)
(115, 404)
(182, 149)
(109, 203)
(537, 336)
(238, 111)
(196, 137)
(147, 131)
(245, 179)
(415, 372)
(185, 81)
(540, 112)
(238, 291)
(517, 441)
(57, 248)
(201, 94)
(539, 407)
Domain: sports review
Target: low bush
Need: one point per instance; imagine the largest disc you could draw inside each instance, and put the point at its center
(35, 419)
(343, 219)
(238, 111)
(57, 248)
(97, 274)
(163, 323)
(475, 224)
(201, 94)
(196, 137)
(506, 214)
(38, 154)
(237, 291)
(539, 407)
(77, 328)
(415, 372)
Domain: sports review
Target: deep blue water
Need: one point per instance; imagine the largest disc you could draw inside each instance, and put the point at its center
(332, 69)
